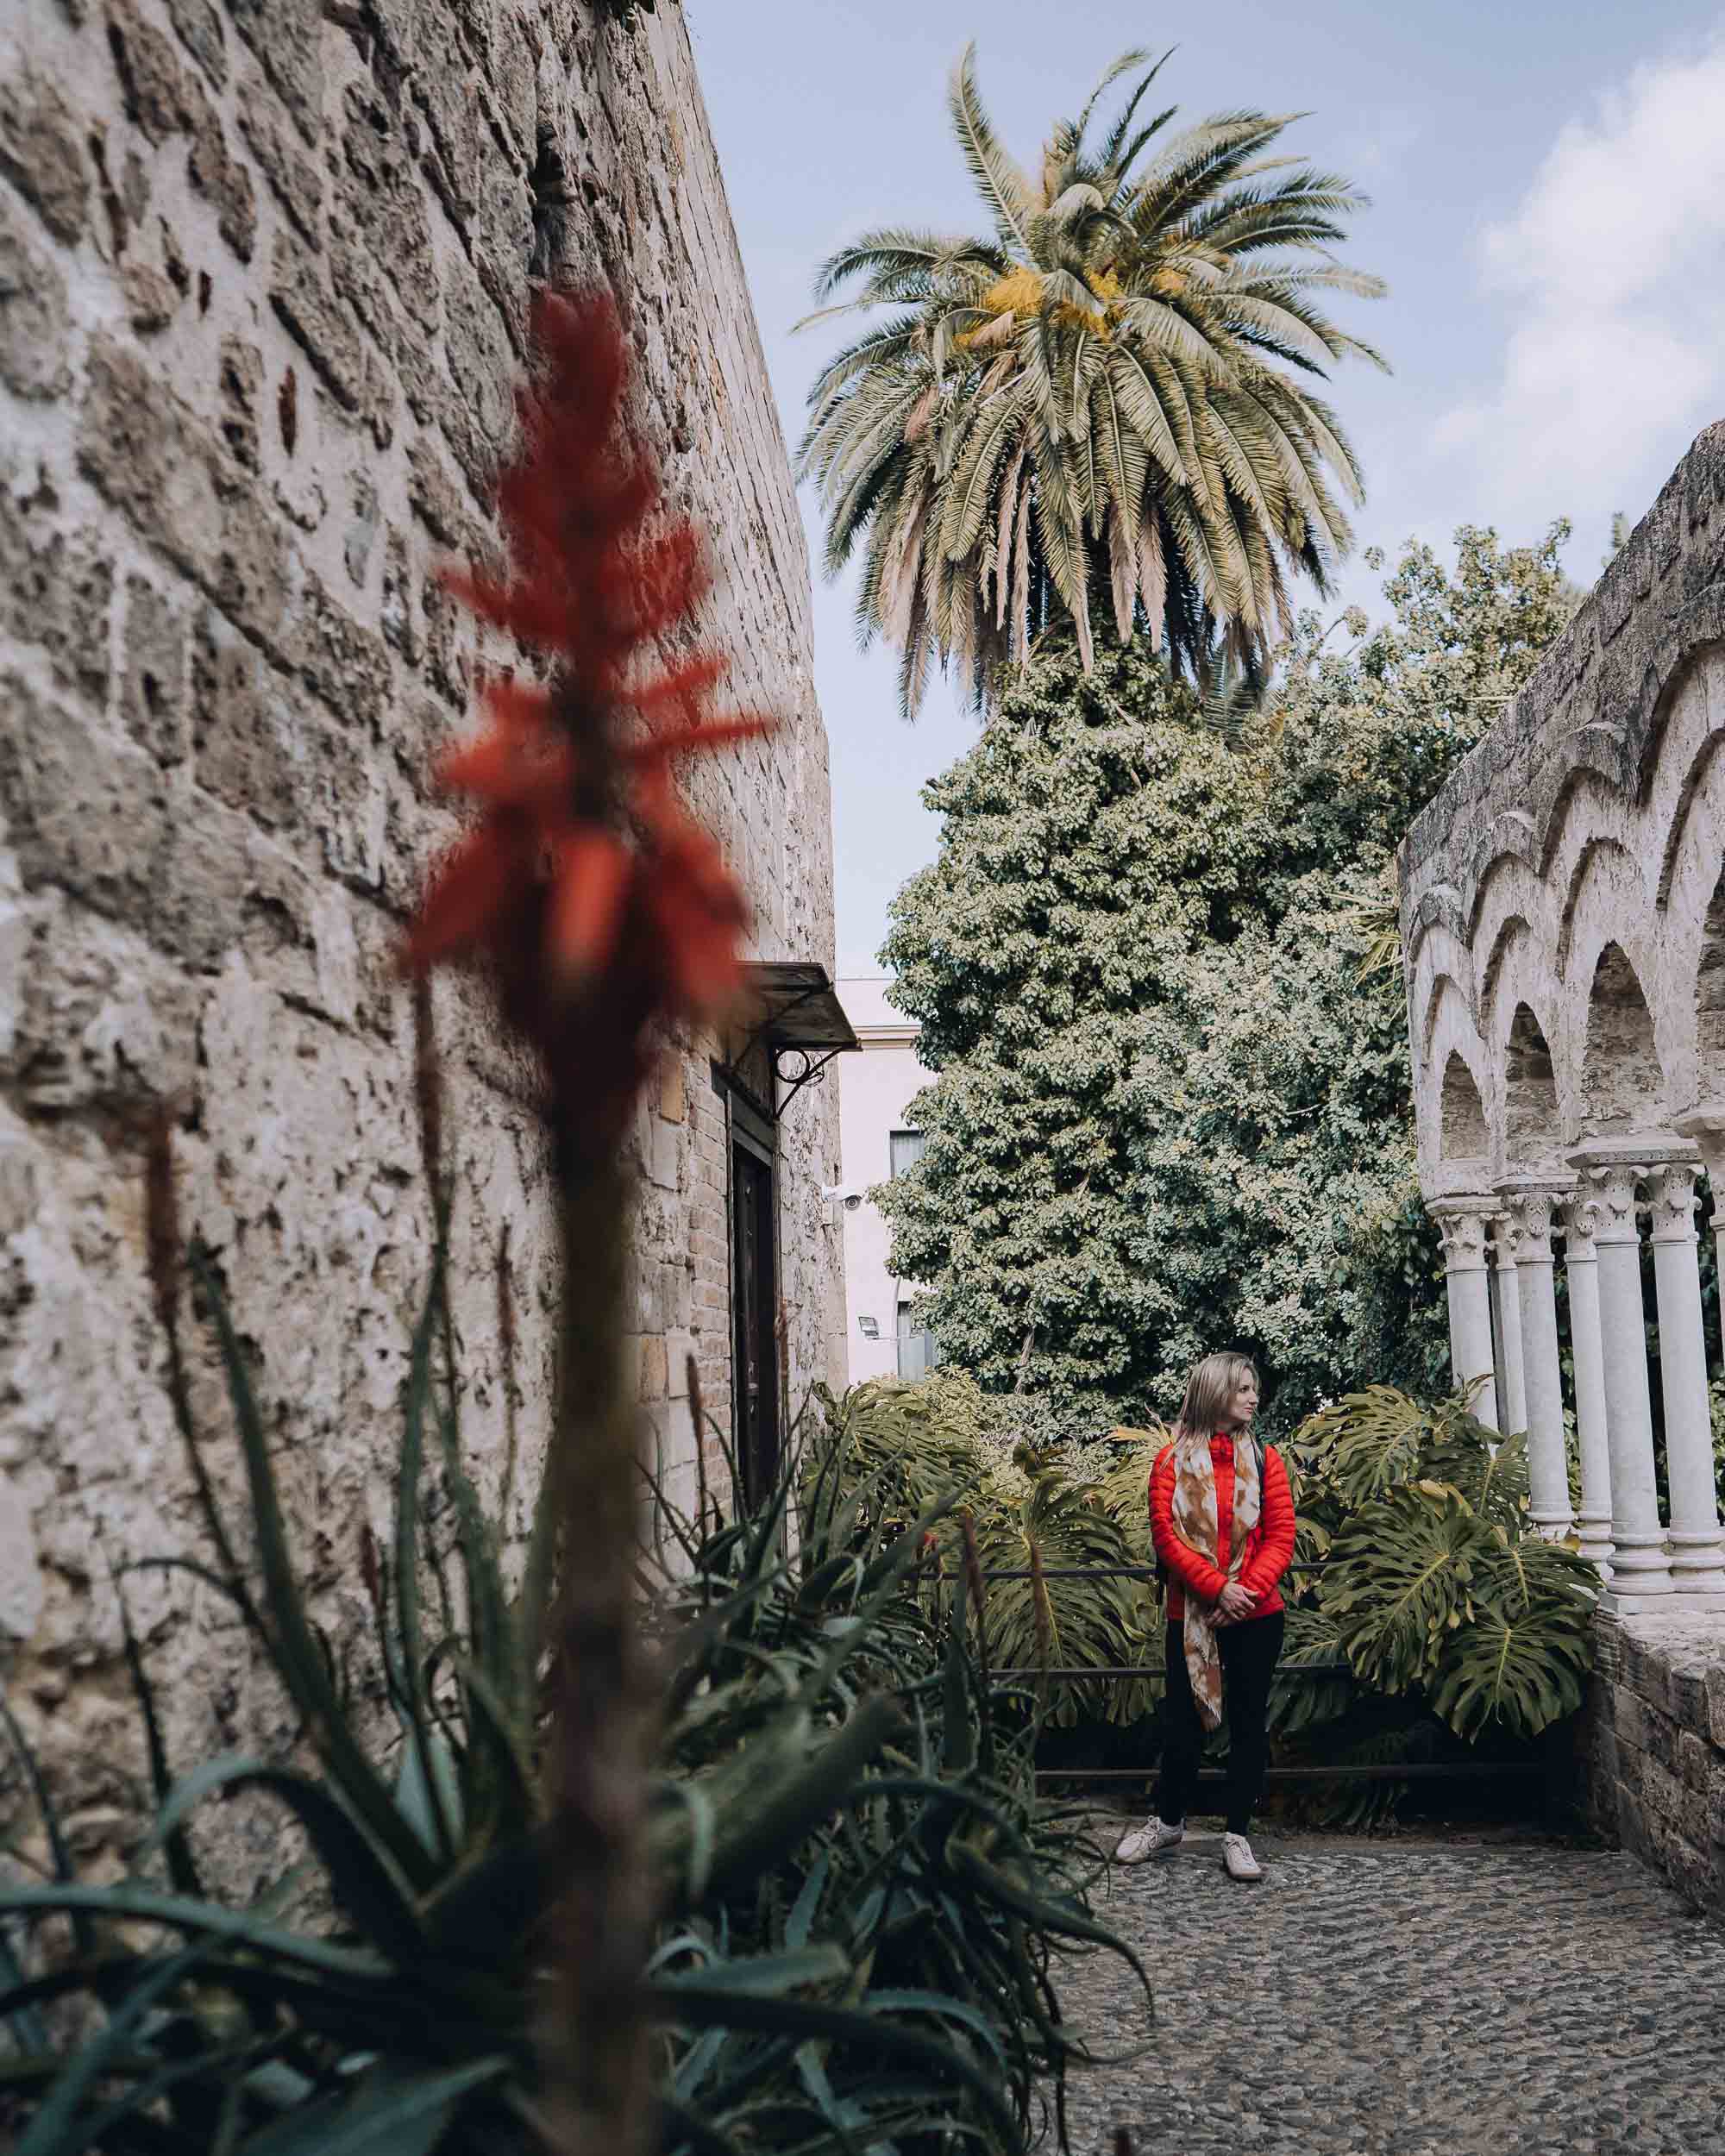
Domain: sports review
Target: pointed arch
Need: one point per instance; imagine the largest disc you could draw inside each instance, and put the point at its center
(1622, 1085)
(1709, 1000)
(1532, 1131)
(1463, 1133)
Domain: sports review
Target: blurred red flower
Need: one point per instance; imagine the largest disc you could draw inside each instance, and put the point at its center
(599, 907)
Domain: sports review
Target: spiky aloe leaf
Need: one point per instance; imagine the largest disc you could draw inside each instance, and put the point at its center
(298, 1661)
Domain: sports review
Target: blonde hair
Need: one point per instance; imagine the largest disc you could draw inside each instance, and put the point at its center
(1210, 1390)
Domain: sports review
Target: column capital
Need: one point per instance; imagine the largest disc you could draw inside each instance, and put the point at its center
(1462, 1223)
(1706, 1125)
(1581, 1217)
(1671, 1195)
(1505, 1241)
(1530, 1202)
(1604, 1202)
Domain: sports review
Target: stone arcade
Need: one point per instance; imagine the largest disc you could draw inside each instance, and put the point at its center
(1564, 920)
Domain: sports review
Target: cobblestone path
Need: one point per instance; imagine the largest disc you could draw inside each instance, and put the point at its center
(1406, 2000)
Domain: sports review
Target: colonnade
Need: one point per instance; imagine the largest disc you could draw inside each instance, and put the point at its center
(1500, 1263)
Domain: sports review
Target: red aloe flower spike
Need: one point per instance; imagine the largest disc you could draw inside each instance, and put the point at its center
(685, 688)
(512, 767)
(590, 894)
(466, 889)
(664, 748)
(604, 910)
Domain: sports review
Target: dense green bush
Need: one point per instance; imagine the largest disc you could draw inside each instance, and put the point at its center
(861, 1908)
(1156, 971)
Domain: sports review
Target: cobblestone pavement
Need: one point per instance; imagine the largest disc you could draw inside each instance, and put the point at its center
(1405, 2000)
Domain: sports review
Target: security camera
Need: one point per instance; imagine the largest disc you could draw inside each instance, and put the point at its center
(849, 1193)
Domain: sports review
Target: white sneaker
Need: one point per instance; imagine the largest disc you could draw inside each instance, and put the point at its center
(1237, 1860)
(1155, 1838)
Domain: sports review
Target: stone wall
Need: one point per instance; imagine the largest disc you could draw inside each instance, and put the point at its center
(264, 272)
(1655, 1748)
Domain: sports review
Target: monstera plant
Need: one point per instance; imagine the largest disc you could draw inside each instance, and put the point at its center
(1431, 1583)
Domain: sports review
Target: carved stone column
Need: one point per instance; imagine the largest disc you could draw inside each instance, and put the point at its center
(1462, 1222)
(1706, 1126)
(1581, 1272)
(1512, 1386)
(1698, 1560)
(1608, 1175)
(1529, 1203)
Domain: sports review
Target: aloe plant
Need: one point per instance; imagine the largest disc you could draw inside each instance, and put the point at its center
(861, 1905)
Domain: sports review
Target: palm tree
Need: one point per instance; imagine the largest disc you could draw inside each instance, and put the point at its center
(1105, 403)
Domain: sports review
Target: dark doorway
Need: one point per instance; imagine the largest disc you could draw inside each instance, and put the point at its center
(755, 1306)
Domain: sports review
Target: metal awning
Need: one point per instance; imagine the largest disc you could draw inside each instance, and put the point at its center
(795, 1011)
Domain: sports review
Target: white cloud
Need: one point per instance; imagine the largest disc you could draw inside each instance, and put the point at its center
(1613, 269)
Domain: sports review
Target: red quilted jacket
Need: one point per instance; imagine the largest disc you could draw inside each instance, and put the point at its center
(1269, 1547)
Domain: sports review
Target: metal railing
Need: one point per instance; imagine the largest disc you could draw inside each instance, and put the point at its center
(1504, 1771)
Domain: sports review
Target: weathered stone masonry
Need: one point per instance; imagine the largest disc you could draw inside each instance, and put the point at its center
(263, 270)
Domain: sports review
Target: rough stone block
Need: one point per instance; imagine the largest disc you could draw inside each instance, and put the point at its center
(286, 35)
(41, 153)
(219, 175)
(151, 298)
(1715, 1804)
(1661, 1738)
(396, 615)
(245, 718)
(1694, 1759)
(1629, 1710)
(448, 96)
(447, 636)
(153, 698)
(1716, 1705)
(106, 1021)
(293, 178)
(663, 1155)
(153, 85)
(319, 324)
(378, 191)
(242, 400)
(35, 325)
(1686, 1688)
(480, 359)
(146, 455)
(199, 27)
(1661, 1792)
(347, 665)
(653, 1374)
(55, 594)
(89, 810)
(437, 499)
(1632, 1827)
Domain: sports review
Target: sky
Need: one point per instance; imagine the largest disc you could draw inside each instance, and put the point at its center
(1547, 186)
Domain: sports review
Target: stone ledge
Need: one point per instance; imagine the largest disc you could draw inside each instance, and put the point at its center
(1653, 1749)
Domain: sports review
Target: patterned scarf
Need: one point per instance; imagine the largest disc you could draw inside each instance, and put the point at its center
(1194, 1522)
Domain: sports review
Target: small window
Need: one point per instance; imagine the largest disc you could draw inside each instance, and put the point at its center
(919, 1352)
(906, 1146)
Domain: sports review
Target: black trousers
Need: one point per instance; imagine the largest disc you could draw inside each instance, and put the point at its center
(1249, 1653)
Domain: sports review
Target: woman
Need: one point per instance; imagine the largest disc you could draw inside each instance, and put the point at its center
(1221, 1517)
